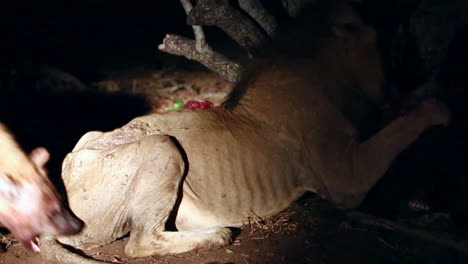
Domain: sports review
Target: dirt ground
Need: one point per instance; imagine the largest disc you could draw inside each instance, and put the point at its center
(310, 231)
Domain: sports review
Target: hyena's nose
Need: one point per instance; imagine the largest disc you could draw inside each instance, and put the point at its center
(65, 223)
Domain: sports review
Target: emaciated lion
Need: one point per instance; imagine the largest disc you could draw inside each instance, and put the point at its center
(202, 171)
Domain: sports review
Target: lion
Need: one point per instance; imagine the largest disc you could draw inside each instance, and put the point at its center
(295, 129)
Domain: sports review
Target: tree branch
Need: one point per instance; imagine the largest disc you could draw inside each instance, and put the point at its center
(200, 51)
(256, 10)
(200, 39)
(181, 46)
(239, 27)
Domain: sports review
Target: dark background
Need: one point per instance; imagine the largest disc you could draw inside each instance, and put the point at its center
(82, 36)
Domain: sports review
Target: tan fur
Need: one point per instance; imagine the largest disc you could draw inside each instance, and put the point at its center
(294, 131)
(13, 161)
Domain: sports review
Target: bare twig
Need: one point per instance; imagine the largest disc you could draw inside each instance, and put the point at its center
(200, 40)
(281, 223)
(221, 14)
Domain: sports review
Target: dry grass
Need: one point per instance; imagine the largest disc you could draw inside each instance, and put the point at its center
(6, 240)
(259, 228)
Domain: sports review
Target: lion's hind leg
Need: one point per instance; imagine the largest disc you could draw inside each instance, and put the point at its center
(165, 242)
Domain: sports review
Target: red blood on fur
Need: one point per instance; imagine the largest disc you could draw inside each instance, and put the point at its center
(198, 104)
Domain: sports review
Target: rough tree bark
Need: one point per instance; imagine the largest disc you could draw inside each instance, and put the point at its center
(233, 22)
(256, 10)
(181, 46)
(221, 14)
